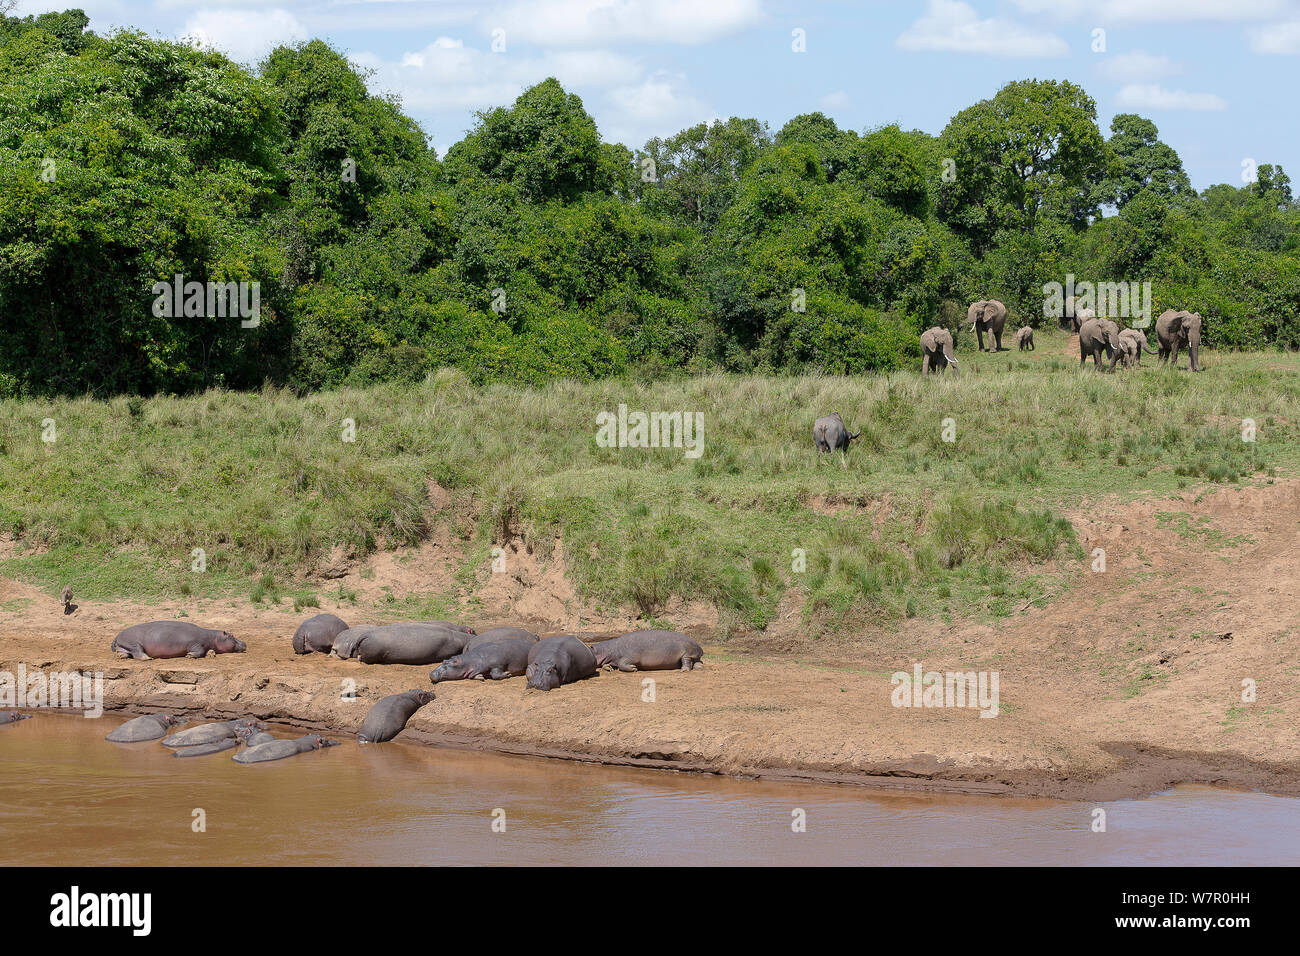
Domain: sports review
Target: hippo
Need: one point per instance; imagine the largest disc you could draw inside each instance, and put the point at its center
(250, 736)
(345, 642)
(562, 659)
(174, 639)
(279, 749)
(649, 651)
(150, 727)
(203, 750)
(495, 659)
(210, 733)
(317, 634)
(417, 643)
(388, 717)
(500, 634)
(12, 716)
(450, 625)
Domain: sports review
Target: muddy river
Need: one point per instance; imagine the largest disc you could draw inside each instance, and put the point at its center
(69, 797)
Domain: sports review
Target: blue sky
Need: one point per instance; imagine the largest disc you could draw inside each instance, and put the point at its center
(1218, 77)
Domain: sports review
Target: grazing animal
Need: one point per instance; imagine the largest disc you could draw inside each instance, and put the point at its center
(1025, 338)
(829, 433)
(1140, 337)
(1179, 328)
(1097, 336)
(987, 315)
(937, 350)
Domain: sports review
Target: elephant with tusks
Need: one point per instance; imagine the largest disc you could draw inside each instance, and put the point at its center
(987, 315)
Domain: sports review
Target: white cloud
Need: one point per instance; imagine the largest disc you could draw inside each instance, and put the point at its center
(244, 35)
(1135, 67)
(1155, 11)
(953, 26)
(447, 75)
(1279, 38)
(1152, 96)
(658, 106)
(839, 100)
(588, 22)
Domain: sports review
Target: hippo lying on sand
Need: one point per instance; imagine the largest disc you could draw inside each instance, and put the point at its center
(388, 717)
(174, 639)
(495, 659)
(279, 749)
(345, 642)
(12, 716)
(150, 727)
(317, 634)
(419, 643)
(562, 659)
(649, 651)
(500, 634)
(210, 733)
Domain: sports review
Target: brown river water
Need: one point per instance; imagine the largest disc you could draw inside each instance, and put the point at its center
(69, 797)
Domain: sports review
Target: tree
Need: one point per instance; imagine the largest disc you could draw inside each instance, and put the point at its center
(1034, 145)
(1144, 163)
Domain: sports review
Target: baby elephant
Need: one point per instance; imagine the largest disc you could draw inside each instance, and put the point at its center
(830, 434)
(1133, 352)
(1025, 339)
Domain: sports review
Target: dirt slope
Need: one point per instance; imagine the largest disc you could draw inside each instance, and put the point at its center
(1130, 681)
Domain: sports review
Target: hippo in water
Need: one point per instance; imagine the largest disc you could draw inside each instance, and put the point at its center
(210, 733)
(649, 651)
(150, 727)
(388, 717)
(280, 748)
(317, 634)
(203, 750)
(174, 639)
(12, 716)
(251, 736)
(418, 643)
(562, 659)
(500, 634)
(495, 659)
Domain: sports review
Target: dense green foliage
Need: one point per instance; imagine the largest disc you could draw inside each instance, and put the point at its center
(534, 251)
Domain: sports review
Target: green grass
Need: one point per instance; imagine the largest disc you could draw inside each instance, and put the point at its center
(906, 524)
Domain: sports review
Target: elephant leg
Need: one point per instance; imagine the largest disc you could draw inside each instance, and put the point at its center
(925, 363)
(998, 337)
(979, 337)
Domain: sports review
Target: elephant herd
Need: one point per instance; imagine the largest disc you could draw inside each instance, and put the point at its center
(1097, 337)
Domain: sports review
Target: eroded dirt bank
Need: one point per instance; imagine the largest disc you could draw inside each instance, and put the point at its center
(1129, 682)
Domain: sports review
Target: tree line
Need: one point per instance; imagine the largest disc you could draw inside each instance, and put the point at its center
(535, 250)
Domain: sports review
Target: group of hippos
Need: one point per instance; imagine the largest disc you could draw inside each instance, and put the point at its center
(1097, 336)
(460, 652)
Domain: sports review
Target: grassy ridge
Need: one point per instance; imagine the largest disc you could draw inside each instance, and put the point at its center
(905, 524)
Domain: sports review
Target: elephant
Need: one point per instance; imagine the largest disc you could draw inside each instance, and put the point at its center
(1096, 336)
(1179, 328)
(936, 350)
(1139, 339)
(987, 315)
(1025, 339)
(1127, 353)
